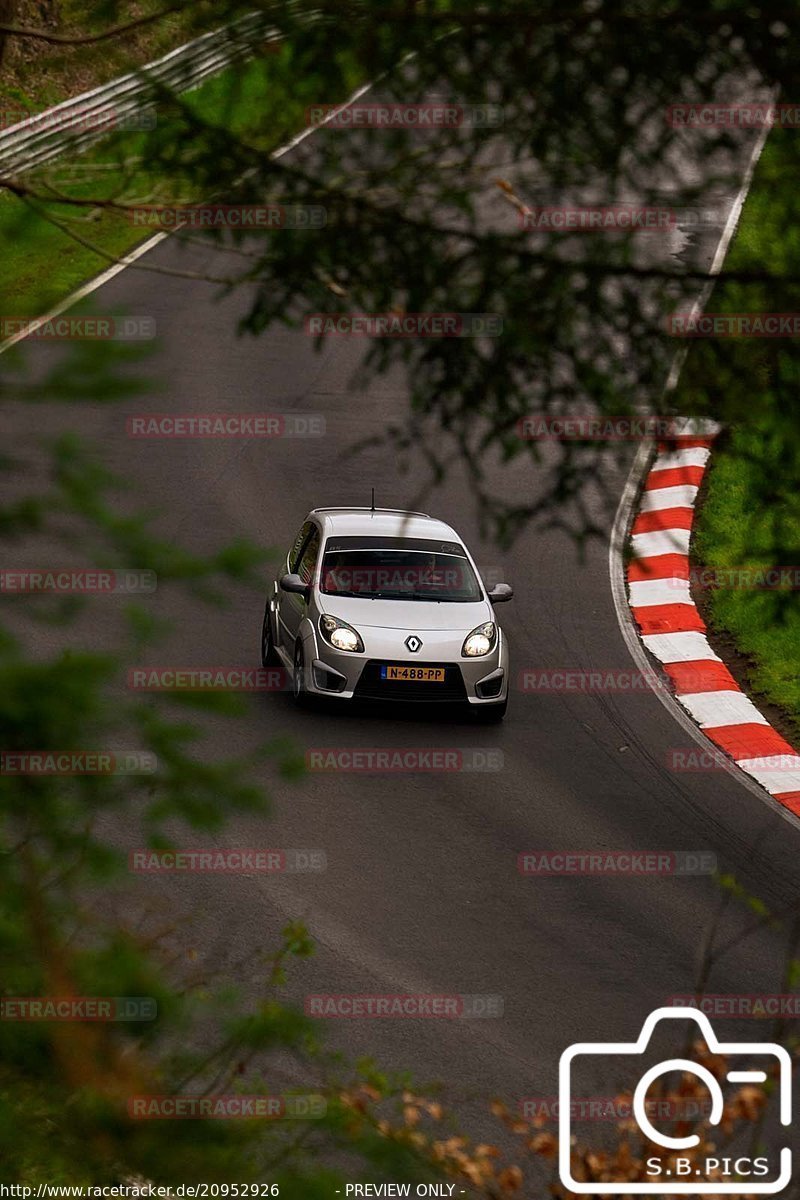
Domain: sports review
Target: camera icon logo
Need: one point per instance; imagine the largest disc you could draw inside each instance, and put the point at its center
(683, 1175)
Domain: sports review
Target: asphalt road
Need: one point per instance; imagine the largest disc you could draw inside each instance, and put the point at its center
(422, 891)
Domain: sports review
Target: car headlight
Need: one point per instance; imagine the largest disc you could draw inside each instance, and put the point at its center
(481, 641)
(340, 635)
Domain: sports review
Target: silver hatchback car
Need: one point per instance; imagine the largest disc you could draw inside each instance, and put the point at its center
(383, 604)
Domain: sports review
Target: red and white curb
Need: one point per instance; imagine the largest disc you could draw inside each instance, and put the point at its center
(672, 629)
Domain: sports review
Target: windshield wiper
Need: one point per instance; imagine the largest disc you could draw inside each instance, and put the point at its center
(424, 597)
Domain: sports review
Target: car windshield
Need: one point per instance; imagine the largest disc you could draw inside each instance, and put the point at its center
(373, 568)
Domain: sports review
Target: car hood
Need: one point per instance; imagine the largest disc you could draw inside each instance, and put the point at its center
(413, 615)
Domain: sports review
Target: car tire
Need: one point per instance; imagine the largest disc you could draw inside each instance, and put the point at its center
(299, 693)
(269, 655)
(492, 715)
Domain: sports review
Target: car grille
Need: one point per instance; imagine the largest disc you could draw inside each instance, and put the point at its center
(371, 687)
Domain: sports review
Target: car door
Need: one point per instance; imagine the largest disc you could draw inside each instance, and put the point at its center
(293, 608)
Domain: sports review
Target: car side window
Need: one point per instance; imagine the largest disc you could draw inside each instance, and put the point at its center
(308, 559)
(294, 553)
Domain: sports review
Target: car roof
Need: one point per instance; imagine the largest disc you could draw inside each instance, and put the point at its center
(388, 522)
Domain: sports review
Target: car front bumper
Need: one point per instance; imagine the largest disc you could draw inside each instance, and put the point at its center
(477, 681)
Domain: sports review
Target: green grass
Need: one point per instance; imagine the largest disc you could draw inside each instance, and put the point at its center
(751, 512)
(262, 100)
(764, 623)
(38, 75)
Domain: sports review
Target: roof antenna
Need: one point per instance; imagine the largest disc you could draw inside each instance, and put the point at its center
(373, 501)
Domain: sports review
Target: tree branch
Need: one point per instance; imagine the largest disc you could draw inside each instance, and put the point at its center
(88, 39)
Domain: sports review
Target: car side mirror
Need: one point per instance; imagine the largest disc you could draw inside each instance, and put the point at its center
(500, 593)
(293, 583)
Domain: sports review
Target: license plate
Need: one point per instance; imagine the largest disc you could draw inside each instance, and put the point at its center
(414, 674)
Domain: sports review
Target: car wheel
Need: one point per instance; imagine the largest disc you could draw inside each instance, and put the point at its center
(299, 692)
(492, 715)
(269, 655)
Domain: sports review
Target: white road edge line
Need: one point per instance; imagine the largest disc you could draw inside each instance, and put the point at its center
(129, 259)
(623, 519)
(720, 254)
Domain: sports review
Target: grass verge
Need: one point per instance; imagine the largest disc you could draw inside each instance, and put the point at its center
(37, 74)
(45, 255)
(749, 517)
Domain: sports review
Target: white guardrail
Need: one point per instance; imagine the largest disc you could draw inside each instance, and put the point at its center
(127, 102)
